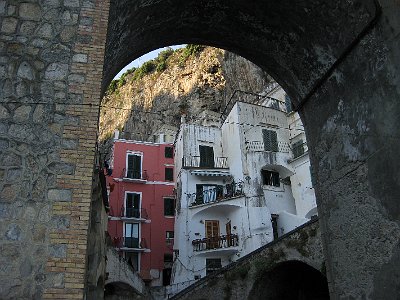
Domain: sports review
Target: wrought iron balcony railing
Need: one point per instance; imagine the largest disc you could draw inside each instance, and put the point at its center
(216, 242)
(200, 162)
(134, 174)
(219, 193)
(130, 212)
(130, 243)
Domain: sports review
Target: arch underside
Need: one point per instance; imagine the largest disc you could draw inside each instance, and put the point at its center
(295, 42)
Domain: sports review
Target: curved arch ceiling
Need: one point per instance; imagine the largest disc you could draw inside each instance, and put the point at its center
(294, 41)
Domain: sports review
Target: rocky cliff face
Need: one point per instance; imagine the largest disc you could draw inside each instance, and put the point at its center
(184, 81)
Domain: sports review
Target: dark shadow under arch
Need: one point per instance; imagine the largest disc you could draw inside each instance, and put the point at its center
(292, 280)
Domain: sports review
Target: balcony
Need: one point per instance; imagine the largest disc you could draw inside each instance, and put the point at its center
(216, 242)
(258, 146)
(217, 194)
(129, 214)
(134, 176)
(131, 244)
(200, 162)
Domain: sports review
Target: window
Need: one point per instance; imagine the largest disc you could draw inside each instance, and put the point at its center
(288, 104)
(169, 237)
(208, 193)
(212, 265)
(206, 156)
(169, 174)
(169, 152)
(134, 166)
(270, 178)
(132, 205)
(270, 140)
(298, 148)
(169, 206)
(131, 238)
(212, 234)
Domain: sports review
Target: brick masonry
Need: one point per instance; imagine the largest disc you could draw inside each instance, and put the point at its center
(51, 61)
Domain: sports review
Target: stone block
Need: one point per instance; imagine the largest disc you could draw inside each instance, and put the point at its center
(71, 3)
(9, 193)
(11, 159)
(38, 113)
(59, 251)
(27, 28)
(30, 11)
(45, 31)
(80, 57)
(21, 114)
(13, 233)
(4, 114)
(9, 25)
(3, 144)
(58, 195)
(2, 7)
(86, 21)
(61, 168)
(25, 71)
(56, 71)
(14, 175)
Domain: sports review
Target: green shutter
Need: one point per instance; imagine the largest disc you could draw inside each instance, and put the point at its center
(270, 140)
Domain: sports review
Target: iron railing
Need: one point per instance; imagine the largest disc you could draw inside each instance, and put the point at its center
(216, 242)
(130, 242)
(219, 193)
(199, 162)
(130, 212)
(132, 174)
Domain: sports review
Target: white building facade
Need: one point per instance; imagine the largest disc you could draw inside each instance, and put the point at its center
(239, 185)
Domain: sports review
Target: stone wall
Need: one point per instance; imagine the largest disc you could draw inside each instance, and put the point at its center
(51, 57)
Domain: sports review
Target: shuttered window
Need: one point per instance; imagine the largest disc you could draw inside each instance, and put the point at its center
(288, 104)
(298, 148)
(132, 205)
(169, 174)
(270, 140)
(206, 156)
(169, 152)
(134, 168)
(169, 206)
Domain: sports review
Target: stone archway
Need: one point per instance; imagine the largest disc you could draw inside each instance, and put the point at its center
(291, 280)
(338, 60)
(341, 73)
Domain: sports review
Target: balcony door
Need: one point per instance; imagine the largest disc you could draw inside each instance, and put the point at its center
(228, 228)
(212, 234)
(206, 156)
(131, 235)
(132, 205)
(134, 166)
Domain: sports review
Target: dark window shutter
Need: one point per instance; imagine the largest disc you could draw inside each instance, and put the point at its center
(169, 174)
(270, 140)
(169, 206)
(169, 152)
(288, 104)
(134, 166)
(298, 148)
(206, 156)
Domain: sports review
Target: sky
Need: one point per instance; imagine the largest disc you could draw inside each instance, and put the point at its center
(138, 62)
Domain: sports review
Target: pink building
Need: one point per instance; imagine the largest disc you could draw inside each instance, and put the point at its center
(142, 207)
